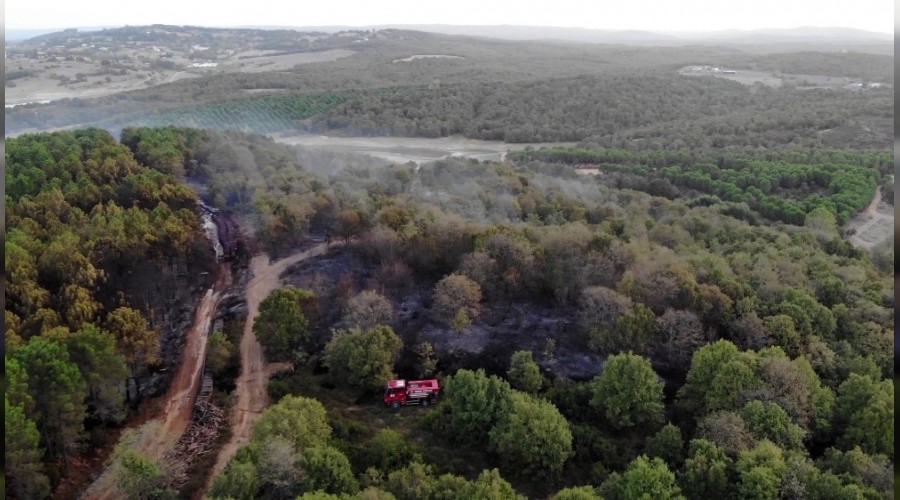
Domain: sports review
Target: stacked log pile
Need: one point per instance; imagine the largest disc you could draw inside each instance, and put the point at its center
(196, 441)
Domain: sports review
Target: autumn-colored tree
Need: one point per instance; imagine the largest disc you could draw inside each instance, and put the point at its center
(456, 293)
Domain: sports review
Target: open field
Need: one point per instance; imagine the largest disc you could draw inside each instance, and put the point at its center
(280, 62)
(774, 78)
(415, 149)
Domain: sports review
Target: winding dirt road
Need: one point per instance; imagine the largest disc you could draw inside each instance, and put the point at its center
(183, 391)
(252, 398)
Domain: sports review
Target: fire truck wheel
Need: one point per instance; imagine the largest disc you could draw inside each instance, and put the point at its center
(425, 402)
(395, 405)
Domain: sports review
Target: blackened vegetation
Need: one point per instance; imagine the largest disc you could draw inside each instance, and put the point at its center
(229, 236)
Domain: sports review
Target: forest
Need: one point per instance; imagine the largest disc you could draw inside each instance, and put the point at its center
(744, 353)
(668, 306)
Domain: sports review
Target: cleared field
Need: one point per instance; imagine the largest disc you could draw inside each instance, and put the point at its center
(281, 62)
(772, 79)
(405, 149)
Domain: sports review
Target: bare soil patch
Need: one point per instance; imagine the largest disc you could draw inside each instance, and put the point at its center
(873, 225)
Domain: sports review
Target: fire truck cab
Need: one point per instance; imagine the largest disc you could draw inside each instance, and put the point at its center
(411, 392)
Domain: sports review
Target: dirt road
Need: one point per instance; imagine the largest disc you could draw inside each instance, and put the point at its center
(251, 385)
(183, 391)
(873, 225)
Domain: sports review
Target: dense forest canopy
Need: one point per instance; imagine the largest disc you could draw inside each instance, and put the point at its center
(668, 309)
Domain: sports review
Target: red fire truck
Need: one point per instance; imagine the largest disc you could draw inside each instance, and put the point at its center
(411, 392)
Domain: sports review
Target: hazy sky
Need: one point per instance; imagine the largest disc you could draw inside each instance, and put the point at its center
(670, 15)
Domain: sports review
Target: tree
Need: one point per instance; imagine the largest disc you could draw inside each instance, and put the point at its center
(710, 383)
(219, 351)
(644, 478)
(389, 450)
(278, 468)
(348, 224)
(628, 393)
(281, 327)
(474, 402)
(363, 359)
(706, 471)
(455, 293)
(761, 471)
(22, 455)
(134, 338)
(577, 493)
(770, 421)
(678, 335)
(749, 332)
(533, 435)
(57, 389)
(633, 331)
(136, 474)
(524, 374)
(327, 469)
(489, 485)
(865, 410)
(599, 308)
(727, 430)
(94, 352)
(301, 421)
(668, 445)
(426, 360)
(367, 310)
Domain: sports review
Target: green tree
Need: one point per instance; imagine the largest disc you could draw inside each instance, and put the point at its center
(57, 389)
(628, 393)
(645, 479)
(718, 377)
(489, 485)
(533, 435)
(281, 327)
(770, 421)
(474, 403)
(94, 352)
(363, 359)
(138, 476)
(706, 471)
(577, 493)
(327, 469)
(634, 330)
(426, 360)
(239, 480)
(761, 471)
(866, 410)
(219, 351)
(524, 374)
(302, 421)
(667, 444)
(389, 450)
(22, 455)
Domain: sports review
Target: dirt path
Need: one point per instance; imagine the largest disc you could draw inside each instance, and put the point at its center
(251, 385)
(873, 225)
(183, 391)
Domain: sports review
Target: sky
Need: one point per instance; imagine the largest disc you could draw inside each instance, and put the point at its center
(658, 15)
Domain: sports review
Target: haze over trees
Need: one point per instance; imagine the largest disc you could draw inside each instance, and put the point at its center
(689, 322)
